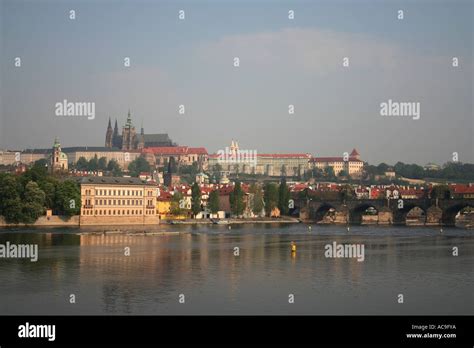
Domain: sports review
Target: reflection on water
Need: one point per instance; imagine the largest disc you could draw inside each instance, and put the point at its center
(199, 262)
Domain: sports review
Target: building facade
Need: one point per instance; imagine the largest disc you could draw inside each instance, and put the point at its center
(352, 165)
(117, 201)
(183, 156)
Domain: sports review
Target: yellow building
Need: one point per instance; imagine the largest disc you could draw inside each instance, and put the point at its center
(352, 165)
(117, 201)
(163, 208)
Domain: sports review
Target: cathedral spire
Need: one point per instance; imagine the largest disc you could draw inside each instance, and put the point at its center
(129, 118)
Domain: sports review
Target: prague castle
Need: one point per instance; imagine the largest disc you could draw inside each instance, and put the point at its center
(129, 140)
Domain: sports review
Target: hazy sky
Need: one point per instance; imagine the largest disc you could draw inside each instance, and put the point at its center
(282, 62)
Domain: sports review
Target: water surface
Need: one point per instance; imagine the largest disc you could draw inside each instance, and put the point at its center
(199, 262)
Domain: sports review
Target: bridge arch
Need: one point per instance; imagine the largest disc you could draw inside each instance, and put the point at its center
(356, 214)
(323, 212)
(400, 214)
(449, 213)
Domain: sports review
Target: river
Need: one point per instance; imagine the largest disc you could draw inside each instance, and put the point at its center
(249, 269)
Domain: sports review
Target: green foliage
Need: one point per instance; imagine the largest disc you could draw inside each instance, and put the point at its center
(270, 197)
(102, 163)
(138, 165)
(82, 164)
(93, 164)
(412, 171)
(237, 200)
(33, 203)
(191, 170)
(283, 197)
(214, 202)
(216, 172)
(343, 173)
(329, 172)
(258, 203)
(68, 198)
(175, 208)
(440, 192)
(346, 192)
(114, 168)
(195, 199)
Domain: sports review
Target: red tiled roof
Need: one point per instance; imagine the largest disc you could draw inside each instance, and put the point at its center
(197, 151)
(463, 189)
(333, 159)
(354, 153)
(175, 150)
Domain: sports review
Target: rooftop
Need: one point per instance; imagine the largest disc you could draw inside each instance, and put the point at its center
(105, 180)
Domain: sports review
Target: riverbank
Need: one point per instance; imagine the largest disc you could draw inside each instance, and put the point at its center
(74, 222)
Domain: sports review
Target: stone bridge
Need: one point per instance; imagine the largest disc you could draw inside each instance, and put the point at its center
(392, 211)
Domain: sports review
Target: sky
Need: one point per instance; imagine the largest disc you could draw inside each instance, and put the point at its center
(190, 62)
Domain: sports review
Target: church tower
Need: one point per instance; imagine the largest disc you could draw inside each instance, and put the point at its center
(129, 136)
(116, 140)
(59, 160)
(108, 135)
(141, 139)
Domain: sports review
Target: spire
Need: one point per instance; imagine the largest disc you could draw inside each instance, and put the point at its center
(129, 119)
(56, 142)
(110, 124)
(142, 131)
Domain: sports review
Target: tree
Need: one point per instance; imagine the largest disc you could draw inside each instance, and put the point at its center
(114, 168)
(82, 164)
(216, 172)
(329, 172)
(283, 197)
(43, 162)
(214, 201)
(68, 198)
(270, 197)
(346, 192)
(93, 164)
(441, 192)
(138, 165)
(343, 173)
(175, 207)
(195, 199)
(237, 200)
(171, 165)
(49, 188)
(33, 205)
(258, 204)
(102, 163)
(10, 203)
(382, 168)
